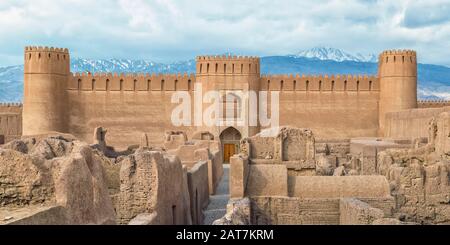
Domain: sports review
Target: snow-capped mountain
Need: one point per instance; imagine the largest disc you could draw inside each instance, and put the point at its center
(339, 55)
(133, 66)
(434, 80)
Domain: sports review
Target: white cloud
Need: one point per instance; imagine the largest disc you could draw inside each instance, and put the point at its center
(165, 30)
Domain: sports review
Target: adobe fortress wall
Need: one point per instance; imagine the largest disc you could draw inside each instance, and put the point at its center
(335, 106)
(127, 104)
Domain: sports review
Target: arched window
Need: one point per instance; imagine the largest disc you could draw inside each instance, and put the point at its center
(135, 85)
(281, 85)
(121, 84)
(370, 85)
(242, 68)
(320, 85)
(149, 85)
(307, 85)
(232, 69)
(295, 85)
(93, 84)
(268, 85)
(207, 68)
(176, 84)
(357, 85)
(189, 85)
(224, 68)
(162, 85)
(201, 66)
(332, 85)
(79, 84)
(387, 59)
(217, 67)
(345, 85)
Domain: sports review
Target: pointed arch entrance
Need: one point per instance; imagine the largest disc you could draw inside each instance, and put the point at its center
(230, 138)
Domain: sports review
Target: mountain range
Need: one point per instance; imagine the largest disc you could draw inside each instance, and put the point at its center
(434, 80)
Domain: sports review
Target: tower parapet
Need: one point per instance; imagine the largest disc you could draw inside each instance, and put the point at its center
(227, 64)
(398, 63)
(397, 72)
(46, 71)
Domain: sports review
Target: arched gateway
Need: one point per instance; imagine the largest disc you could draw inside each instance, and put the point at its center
(230, 139)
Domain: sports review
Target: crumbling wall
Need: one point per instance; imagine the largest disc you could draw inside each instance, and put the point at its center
(191, 152)
(419, 177)
(215, 171)
(198, 191)
(276, 210)
(239, 173)
(267, 180)
(151, 182)
(238, 213)
(282, 144)
(365, 150)
(339, 186)
(355, 212)
(174, 139)
(292, 147)
(334, 149)
(56, 171)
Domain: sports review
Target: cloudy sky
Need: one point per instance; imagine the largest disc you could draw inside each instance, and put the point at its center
(170, 30)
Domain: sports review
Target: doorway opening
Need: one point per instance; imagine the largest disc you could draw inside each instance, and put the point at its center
(230, 139)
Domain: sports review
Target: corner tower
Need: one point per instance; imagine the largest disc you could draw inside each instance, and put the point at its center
(46, 72)
(397, 72)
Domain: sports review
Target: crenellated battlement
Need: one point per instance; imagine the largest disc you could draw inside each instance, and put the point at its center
(11, 104)
(46, 60)
(46, 49)
(398, 58)
(227, 58)
(432, 103)
(10, 108)
(297, 82)
(131, 82)
(227, 64)
(399, 52)
(397, 63)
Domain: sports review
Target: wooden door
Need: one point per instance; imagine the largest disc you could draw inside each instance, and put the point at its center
(228, 151)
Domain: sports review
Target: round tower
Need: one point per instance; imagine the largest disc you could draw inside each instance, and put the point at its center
(397, 72)
(46, 72)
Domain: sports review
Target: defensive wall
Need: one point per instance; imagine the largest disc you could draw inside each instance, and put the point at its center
(333, 106)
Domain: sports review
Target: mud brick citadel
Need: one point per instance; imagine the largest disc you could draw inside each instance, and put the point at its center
(102, 149)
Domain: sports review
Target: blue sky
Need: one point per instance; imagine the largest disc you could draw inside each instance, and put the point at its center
(170, 30)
